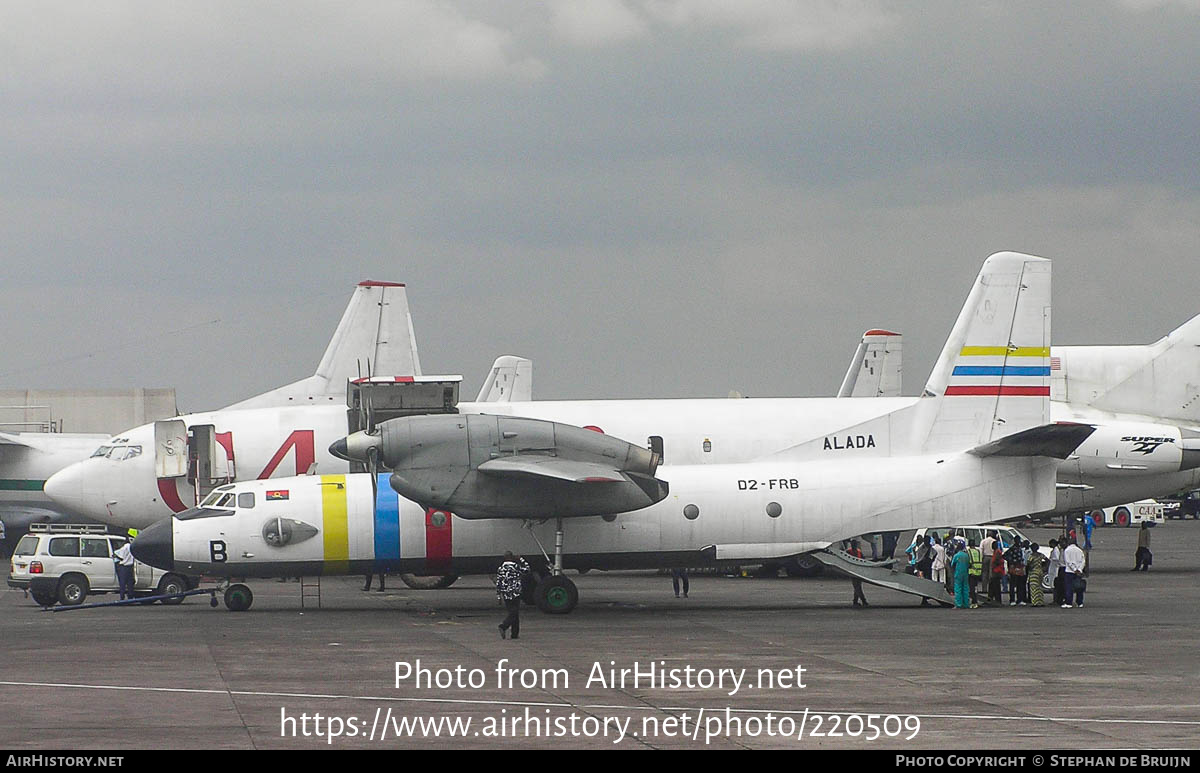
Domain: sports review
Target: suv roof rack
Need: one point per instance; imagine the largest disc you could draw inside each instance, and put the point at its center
(69, 528)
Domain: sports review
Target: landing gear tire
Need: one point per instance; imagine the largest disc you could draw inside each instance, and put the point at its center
(556, 595)
(238, 598)
(43, 598)
(804, 566)
(172, 583)
(430, 582)
(72, 590)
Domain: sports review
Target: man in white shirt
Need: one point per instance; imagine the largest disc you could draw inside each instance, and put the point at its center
(1053, 568)
(1073, 578)
(123, 558)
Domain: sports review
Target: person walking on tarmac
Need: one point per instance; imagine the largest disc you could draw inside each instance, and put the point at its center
(509, 584)
(859, 598)
(960, 565)
(1142, 557)
(123, 558)
(975, 555)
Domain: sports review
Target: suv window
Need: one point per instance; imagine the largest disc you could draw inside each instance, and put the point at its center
(26, 546)
(64, 546)
(94, 547)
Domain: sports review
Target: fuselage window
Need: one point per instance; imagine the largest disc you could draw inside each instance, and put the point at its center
(246, 499)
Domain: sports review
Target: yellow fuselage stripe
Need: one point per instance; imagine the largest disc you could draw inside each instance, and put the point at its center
(1004, 351)
(335, 518)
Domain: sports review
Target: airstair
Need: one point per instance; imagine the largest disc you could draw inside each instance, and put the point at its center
(884, 574)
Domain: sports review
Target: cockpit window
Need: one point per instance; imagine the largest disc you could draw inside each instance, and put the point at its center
(203, 512)
(246, 500)
(219, 499)
(118, 453)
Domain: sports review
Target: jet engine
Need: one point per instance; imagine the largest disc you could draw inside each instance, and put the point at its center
(480, 466)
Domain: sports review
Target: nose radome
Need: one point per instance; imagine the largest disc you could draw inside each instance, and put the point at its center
(155, 545)
(65, 488)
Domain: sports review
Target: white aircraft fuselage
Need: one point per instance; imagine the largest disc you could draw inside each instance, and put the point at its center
(279, 442)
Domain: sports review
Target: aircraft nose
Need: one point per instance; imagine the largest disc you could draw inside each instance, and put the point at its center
(65, 488)
(155, 545)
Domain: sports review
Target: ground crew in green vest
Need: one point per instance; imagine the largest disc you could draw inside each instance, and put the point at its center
(976, 571)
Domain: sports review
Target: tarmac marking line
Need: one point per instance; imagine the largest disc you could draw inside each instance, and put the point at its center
(599, 706)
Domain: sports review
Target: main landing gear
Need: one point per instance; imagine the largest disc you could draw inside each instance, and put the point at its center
(238, 598)
(554, 594)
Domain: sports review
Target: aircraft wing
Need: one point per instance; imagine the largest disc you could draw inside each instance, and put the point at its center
(8, 439)
(1052, 440)
(551, 468)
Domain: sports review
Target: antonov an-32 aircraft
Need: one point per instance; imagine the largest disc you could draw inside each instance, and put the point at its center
(462, 489)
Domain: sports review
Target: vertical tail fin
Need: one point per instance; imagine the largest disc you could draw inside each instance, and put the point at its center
(993, 376)
(375, 335)
(1161, 379)
(510, 381)
(875, 368)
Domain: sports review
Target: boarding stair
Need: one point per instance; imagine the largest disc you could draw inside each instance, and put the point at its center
(884, 574)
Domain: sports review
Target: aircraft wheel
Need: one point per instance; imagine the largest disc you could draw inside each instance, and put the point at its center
(803, 566)
(1121, 517)
(430, 582)
(172, 583)
(44, 598)
(72, 590)
(556, 595)
(238, 598)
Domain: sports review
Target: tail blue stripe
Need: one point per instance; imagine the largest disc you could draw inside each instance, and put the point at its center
(387, 521)
(1001, 370)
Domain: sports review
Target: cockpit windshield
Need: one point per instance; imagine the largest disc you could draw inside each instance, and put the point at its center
(203, 512)
(117, 453)
(220, 499)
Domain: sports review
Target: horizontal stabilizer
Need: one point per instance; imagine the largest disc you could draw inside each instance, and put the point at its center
(1056, 441)
(552, 468)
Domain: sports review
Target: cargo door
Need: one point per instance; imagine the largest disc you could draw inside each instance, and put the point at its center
(170, 448)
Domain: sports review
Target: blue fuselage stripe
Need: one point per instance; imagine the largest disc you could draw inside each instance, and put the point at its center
(1001, 370)
(387, 522)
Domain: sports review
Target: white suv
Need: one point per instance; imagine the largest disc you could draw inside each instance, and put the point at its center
(65, 562)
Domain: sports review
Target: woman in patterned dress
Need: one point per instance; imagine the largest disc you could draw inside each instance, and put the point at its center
(1035, 570)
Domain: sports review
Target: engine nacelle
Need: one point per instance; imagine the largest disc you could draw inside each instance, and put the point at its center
(480, 466)
(1132, 448)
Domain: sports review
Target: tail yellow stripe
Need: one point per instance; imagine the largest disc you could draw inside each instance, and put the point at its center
(336, 527)
(1003, 351)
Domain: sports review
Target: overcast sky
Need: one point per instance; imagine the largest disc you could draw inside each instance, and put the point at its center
(659, 198)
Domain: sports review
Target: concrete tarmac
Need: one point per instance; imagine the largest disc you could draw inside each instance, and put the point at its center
(1121, 672)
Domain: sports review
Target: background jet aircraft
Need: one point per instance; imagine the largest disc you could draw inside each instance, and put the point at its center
(977, 448)
(167, 466)
(1144, 401)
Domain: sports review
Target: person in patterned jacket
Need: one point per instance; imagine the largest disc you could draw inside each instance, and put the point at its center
(510, 581)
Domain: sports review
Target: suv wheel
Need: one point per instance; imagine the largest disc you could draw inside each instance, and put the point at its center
(172, 583)
(72, 589)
